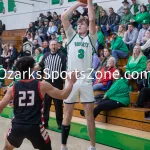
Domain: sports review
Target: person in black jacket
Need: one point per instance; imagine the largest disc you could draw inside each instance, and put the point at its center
(46, 47)
(144, 86)
(103, 18)
(13, 56)
(113, 22)
(53, 61)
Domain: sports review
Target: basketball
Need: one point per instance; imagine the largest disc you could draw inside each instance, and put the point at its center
(83, 1)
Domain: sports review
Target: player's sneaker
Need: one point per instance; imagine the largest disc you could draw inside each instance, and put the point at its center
(91, 148)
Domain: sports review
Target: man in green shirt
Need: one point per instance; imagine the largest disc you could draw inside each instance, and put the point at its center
(135, 7)
(125, 19)
(118, 47)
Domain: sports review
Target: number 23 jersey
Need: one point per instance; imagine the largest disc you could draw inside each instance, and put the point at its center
(28, 103)
(80, 50)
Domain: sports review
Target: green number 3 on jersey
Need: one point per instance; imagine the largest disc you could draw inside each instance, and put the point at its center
(80, 53)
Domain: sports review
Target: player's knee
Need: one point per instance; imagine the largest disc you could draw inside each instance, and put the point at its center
(89, 116)
(67, 119)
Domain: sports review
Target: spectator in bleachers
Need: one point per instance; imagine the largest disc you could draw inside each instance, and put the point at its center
(136, 63)
(117, 96)
(35, 45)
(75, 16)
(103, 18)
(146, 47)
(29, 37)
(45, 47)
(148, 6)
(85, 11)
(143, 15)
(13, 56)
(120, 11)
(105, 75)
(54, 13)
(31, 28)
(112, 23)
(57, 22)
(38, 56)
(2, 76)
(52, 29)
(42, 17)
(5, 55)
(49, 16)
(144, 87)
(135, 7)
(62, 49)
(145, 26)
(27, 48)
(131, 36)
(64, 39)
(36, 37)
(53, 37)
(107, 55)
(121, 32)
(118, 47)
(40, 29)
(45, 29)
(97, 10)
(100, 39)
(126, 17)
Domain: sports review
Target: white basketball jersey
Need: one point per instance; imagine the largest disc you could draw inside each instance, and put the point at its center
(80, 52)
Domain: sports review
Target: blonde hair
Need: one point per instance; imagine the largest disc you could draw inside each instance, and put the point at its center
(133, 55)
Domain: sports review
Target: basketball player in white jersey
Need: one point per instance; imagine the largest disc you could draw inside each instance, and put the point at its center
(81, 46)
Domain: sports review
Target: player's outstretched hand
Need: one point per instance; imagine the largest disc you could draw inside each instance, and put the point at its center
(72, 77)
(82, 4)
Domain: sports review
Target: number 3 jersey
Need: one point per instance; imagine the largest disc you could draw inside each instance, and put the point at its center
(80, 50)
(28, 103)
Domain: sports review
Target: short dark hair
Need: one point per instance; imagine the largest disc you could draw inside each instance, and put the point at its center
(24, 64)
(132, 24)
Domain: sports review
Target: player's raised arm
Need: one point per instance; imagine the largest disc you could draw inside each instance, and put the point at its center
(91, 14)
(47, 88)
(66, 14)
(6, 99)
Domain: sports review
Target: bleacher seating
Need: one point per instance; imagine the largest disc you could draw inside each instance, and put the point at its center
(126, 116)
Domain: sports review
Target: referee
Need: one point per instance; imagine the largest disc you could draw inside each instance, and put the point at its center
(53, 61)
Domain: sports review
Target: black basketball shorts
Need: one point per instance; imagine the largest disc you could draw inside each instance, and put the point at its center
(37, 135)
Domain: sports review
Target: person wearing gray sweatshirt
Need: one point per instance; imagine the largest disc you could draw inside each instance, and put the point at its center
(131, 36)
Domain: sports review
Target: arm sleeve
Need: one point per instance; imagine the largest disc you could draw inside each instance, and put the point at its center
(117, 44)
(134, 38)
(146, 45)
(93, 39)
(112, 91)
(70, 33)
(142, 64)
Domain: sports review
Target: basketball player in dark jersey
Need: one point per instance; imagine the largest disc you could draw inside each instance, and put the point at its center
(28, 121)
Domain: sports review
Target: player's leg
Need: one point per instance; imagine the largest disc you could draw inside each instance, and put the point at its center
(39, 137)
(87, 99)
(68, 111)
(8, 146)
(59, 111)
(47, 105)
(88, 108)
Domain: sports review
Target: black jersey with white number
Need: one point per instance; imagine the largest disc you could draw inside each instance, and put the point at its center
(28, 103)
